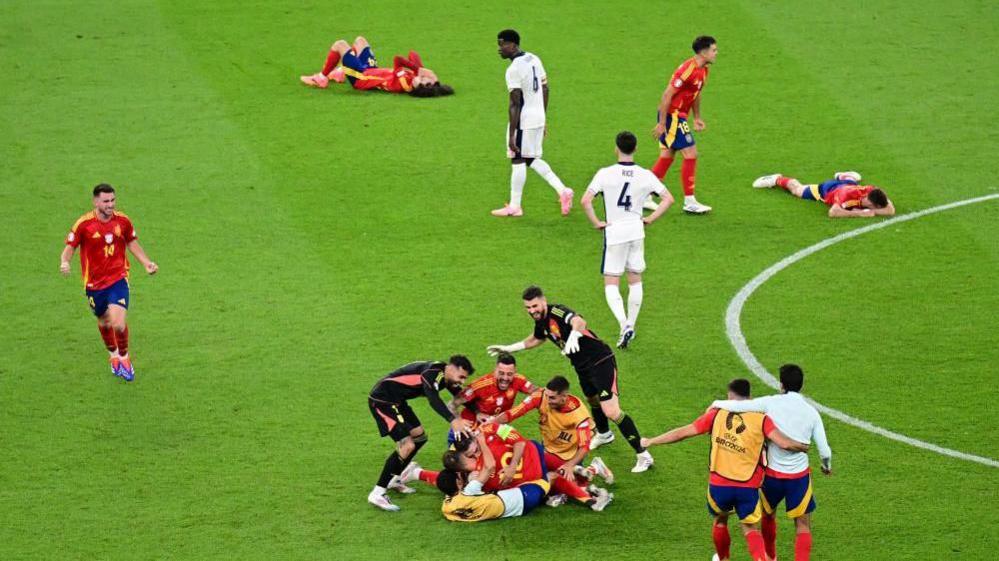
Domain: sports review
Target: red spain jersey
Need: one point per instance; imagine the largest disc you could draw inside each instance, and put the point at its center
(398, 79)
(704, 423)
(687, 81)
(500, 440)
(102, 248)
(488, 399)
(848, 196)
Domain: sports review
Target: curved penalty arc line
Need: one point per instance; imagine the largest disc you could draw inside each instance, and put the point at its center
(734, 330)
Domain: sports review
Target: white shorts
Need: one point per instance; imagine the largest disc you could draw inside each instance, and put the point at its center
(621, 257)
(529, 141)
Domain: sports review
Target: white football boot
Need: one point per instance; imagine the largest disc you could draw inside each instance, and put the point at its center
(601, 469)
(766, 182)
(847, 176)
(643, 462)
(382, 501)
(691, 206)
(601, 498)
(600, 439)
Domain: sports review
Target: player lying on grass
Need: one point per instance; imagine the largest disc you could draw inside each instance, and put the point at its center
(359, 67)
(843, 193)
(736, 462)
(491, 394)
(469, 503)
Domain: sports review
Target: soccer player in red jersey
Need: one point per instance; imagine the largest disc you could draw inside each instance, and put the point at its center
(844, 194)
(103, 235)
(359, 67)
(736, 462)
(493, 393)
(682, 98)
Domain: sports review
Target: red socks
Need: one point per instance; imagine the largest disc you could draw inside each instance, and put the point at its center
(756, 550)
(429, 477)
(564, 486)
(122, 339)
(769, 527)
(722, 541)
(783, 181)
(662, 166)
(687, 172)
(332, 60)
(107, 333)
(802, 546)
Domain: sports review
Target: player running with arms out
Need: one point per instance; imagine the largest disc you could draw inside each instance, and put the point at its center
(736, 462)
(788, 476)
(103, 235)
(359, 67)
(625, 188)
(594, 363)
(389, 406)
(527, 83)
(491, 394)
(681, 99)
(844, 194)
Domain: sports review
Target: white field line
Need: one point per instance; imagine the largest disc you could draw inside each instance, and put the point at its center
(734, 330)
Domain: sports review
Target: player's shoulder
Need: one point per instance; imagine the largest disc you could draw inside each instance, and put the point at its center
(560, 310)
(573, 405)
(86, 217)
(685, 69)
(483, 382)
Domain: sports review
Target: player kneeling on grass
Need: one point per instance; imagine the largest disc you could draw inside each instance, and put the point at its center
(737, 460)
(359, 67)
(843, 193)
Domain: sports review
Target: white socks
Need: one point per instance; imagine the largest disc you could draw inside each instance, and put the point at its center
(546, 173)
(616, 303)
(635, 294)
(518, 176)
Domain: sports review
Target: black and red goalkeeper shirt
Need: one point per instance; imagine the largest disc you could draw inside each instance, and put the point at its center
(414, 380)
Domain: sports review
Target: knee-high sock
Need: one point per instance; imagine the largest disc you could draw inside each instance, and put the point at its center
(783, 181)
(661, 166)
(616, 303)
(802, 546)
(107, 334)
(518, 176)
(723, 542)
(393, 466)
(600, 419)
(546, 173)
(754, 541)
(121, 338)
(688, 172)
(635, 294)
(630, 432)
(769, 527)
(429, 477)
(332, 60)
(567, 487)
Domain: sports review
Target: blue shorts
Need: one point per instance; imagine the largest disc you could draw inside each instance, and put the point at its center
(677, 135)
(745, 501)
(796, 494)
(116, 294)
(533, 495)
(358, 62)
(819, 192)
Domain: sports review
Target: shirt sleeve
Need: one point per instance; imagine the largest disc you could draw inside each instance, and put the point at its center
(565, 313)
(73, 239)
(745, 405)
(655, 185)
(540, 330)
(819, 436)
(768, 426)
(703, 423)
(129, 234)
(432, 378)
(473, 489)
(512, 78)
(676, 80)
(584, 433)
(542, 74)
(532, 401)
(596, 186)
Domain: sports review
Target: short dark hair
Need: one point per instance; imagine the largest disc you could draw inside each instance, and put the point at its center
(878, 198)
(791, 377)
(461, 361)
(103, 188)
(432, 90)
(532, 292)
(452, 460)
(506, 358)
(447, 482)
(626, 142)
(558, 384)
(703, 42)
(740, 387)
(509, 36)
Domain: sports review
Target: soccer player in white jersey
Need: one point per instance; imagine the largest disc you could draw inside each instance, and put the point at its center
(788, 476)
(625, 188)
(528, 85)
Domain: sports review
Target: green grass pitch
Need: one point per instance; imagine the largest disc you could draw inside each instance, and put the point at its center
(310, 241)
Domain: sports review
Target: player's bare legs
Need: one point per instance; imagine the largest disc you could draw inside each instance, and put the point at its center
(610, 409)
(337, 50)
(688, 173)
(790, 184)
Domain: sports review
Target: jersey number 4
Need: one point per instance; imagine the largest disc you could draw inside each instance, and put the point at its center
(624, 201)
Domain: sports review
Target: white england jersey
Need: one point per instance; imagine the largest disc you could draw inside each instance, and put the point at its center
(625, 187)
(527, 74)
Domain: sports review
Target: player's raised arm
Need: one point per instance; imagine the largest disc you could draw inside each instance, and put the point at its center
(140, 254)
(663, 108)
(675, 435)
(529, 343)
(759, 404)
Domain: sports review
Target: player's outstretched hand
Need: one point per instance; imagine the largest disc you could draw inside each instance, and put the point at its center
(459, 428)
(64, 268)
(645, 442)
(151, 268)
(494, 350)
(572, 343)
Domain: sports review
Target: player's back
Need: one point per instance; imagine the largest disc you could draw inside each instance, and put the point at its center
(405, 382)
(799, 420)
(527, 74)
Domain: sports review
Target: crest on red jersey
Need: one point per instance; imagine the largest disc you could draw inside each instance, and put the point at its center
(109, 238)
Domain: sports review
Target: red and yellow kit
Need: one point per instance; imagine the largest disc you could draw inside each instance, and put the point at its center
(848, 196)
(687, 81)
(500, 440)
(102, 248)
(486, 397)
(563, 430)
(398, 79)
